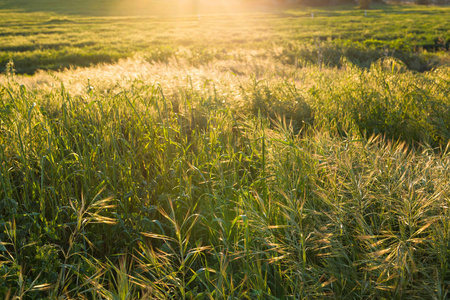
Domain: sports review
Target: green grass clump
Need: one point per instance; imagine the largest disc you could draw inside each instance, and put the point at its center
(388, 100)
(161, 181)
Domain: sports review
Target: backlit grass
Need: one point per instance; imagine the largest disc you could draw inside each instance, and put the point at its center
(264, 155)
(159, 181)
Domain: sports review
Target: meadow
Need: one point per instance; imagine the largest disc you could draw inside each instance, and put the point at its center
(254, 154)
(54, 40)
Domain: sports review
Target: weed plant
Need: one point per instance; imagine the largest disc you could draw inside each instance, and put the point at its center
(167, 181)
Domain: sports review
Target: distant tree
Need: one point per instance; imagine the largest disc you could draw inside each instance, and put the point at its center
(316, 2)
(342, 1)
(364, 4)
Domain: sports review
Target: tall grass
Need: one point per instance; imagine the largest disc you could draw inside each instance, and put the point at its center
(291, 184)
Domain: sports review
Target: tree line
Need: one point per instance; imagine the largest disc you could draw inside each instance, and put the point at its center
(362, 3)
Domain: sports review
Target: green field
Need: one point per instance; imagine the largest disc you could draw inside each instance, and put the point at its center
(252, 153)
(55, 39)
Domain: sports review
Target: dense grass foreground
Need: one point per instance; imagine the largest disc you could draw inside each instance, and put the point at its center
(211, 185)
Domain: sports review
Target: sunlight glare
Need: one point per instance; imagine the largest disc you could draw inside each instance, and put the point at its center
(179, 8)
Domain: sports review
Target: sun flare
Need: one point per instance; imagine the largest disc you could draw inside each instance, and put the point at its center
(173, 8)
(151, 8)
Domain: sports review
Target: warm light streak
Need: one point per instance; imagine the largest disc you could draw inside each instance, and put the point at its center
(182, 8)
